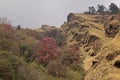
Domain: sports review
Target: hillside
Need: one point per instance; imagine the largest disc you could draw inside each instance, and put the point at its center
(98, 38)
(86, 47)
(41, 54)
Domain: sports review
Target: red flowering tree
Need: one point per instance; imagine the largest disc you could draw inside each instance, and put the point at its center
(46, 50)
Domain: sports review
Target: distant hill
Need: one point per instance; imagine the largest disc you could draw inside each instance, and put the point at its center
(45, 28)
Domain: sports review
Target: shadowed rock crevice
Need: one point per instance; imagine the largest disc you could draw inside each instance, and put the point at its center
(113, 55)
(117, 64)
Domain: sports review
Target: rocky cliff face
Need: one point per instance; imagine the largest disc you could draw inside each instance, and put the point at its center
(99, 39)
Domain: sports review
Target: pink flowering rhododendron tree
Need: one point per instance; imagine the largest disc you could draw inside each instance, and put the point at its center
(46, 50)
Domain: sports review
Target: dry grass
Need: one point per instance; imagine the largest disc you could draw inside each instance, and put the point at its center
(103, 69)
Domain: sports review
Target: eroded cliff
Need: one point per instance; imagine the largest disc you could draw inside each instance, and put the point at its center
(98, 37)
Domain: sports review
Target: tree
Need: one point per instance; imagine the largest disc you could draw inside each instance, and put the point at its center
(101, 9)
(113, 8)
(71, 57)
(46, 50)
(13, 67)
(92, 10)
(18, 27)
(6, 37)
(58, 36)
(56, 69)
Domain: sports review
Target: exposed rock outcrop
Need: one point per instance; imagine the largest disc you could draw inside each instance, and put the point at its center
(45, 28)
(108, 65)
(113, 28)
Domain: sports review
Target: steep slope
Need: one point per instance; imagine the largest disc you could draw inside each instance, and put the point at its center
(99, 44)
(107, 66)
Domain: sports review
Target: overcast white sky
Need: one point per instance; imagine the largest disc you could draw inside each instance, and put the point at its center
(34, 13)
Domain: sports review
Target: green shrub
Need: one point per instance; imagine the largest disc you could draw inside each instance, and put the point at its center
(71, 57)
(55, 68)
(15, 68)
(6, 70)
(73, 75)
(8, 65)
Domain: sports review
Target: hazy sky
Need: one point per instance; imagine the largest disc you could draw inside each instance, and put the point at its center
(34, 13)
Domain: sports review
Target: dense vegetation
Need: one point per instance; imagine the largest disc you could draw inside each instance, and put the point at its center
(30, 55)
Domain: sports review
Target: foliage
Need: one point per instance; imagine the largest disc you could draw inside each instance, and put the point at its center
(101, 9)
(56, 69)
(26, 51)
(29, 72)
(6, 69)
(18, 27)
(68, 64)
(19, 48)
(58, 36)
(6, 31)
(71, 57)
(7, 38)
(92, 10)
(113, 8)
(73, 75)
(8, 65)
(12, 44)
(14, 68)
(46, 50)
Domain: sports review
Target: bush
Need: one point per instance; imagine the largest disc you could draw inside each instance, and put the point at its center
(58, 36)
(6, 38)
(8, 65)
(73, 75)
(6, 70)
(71, 57)
(14, 68)
(27, 52)
(46, 51)
(28, 72)
(55, 68)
